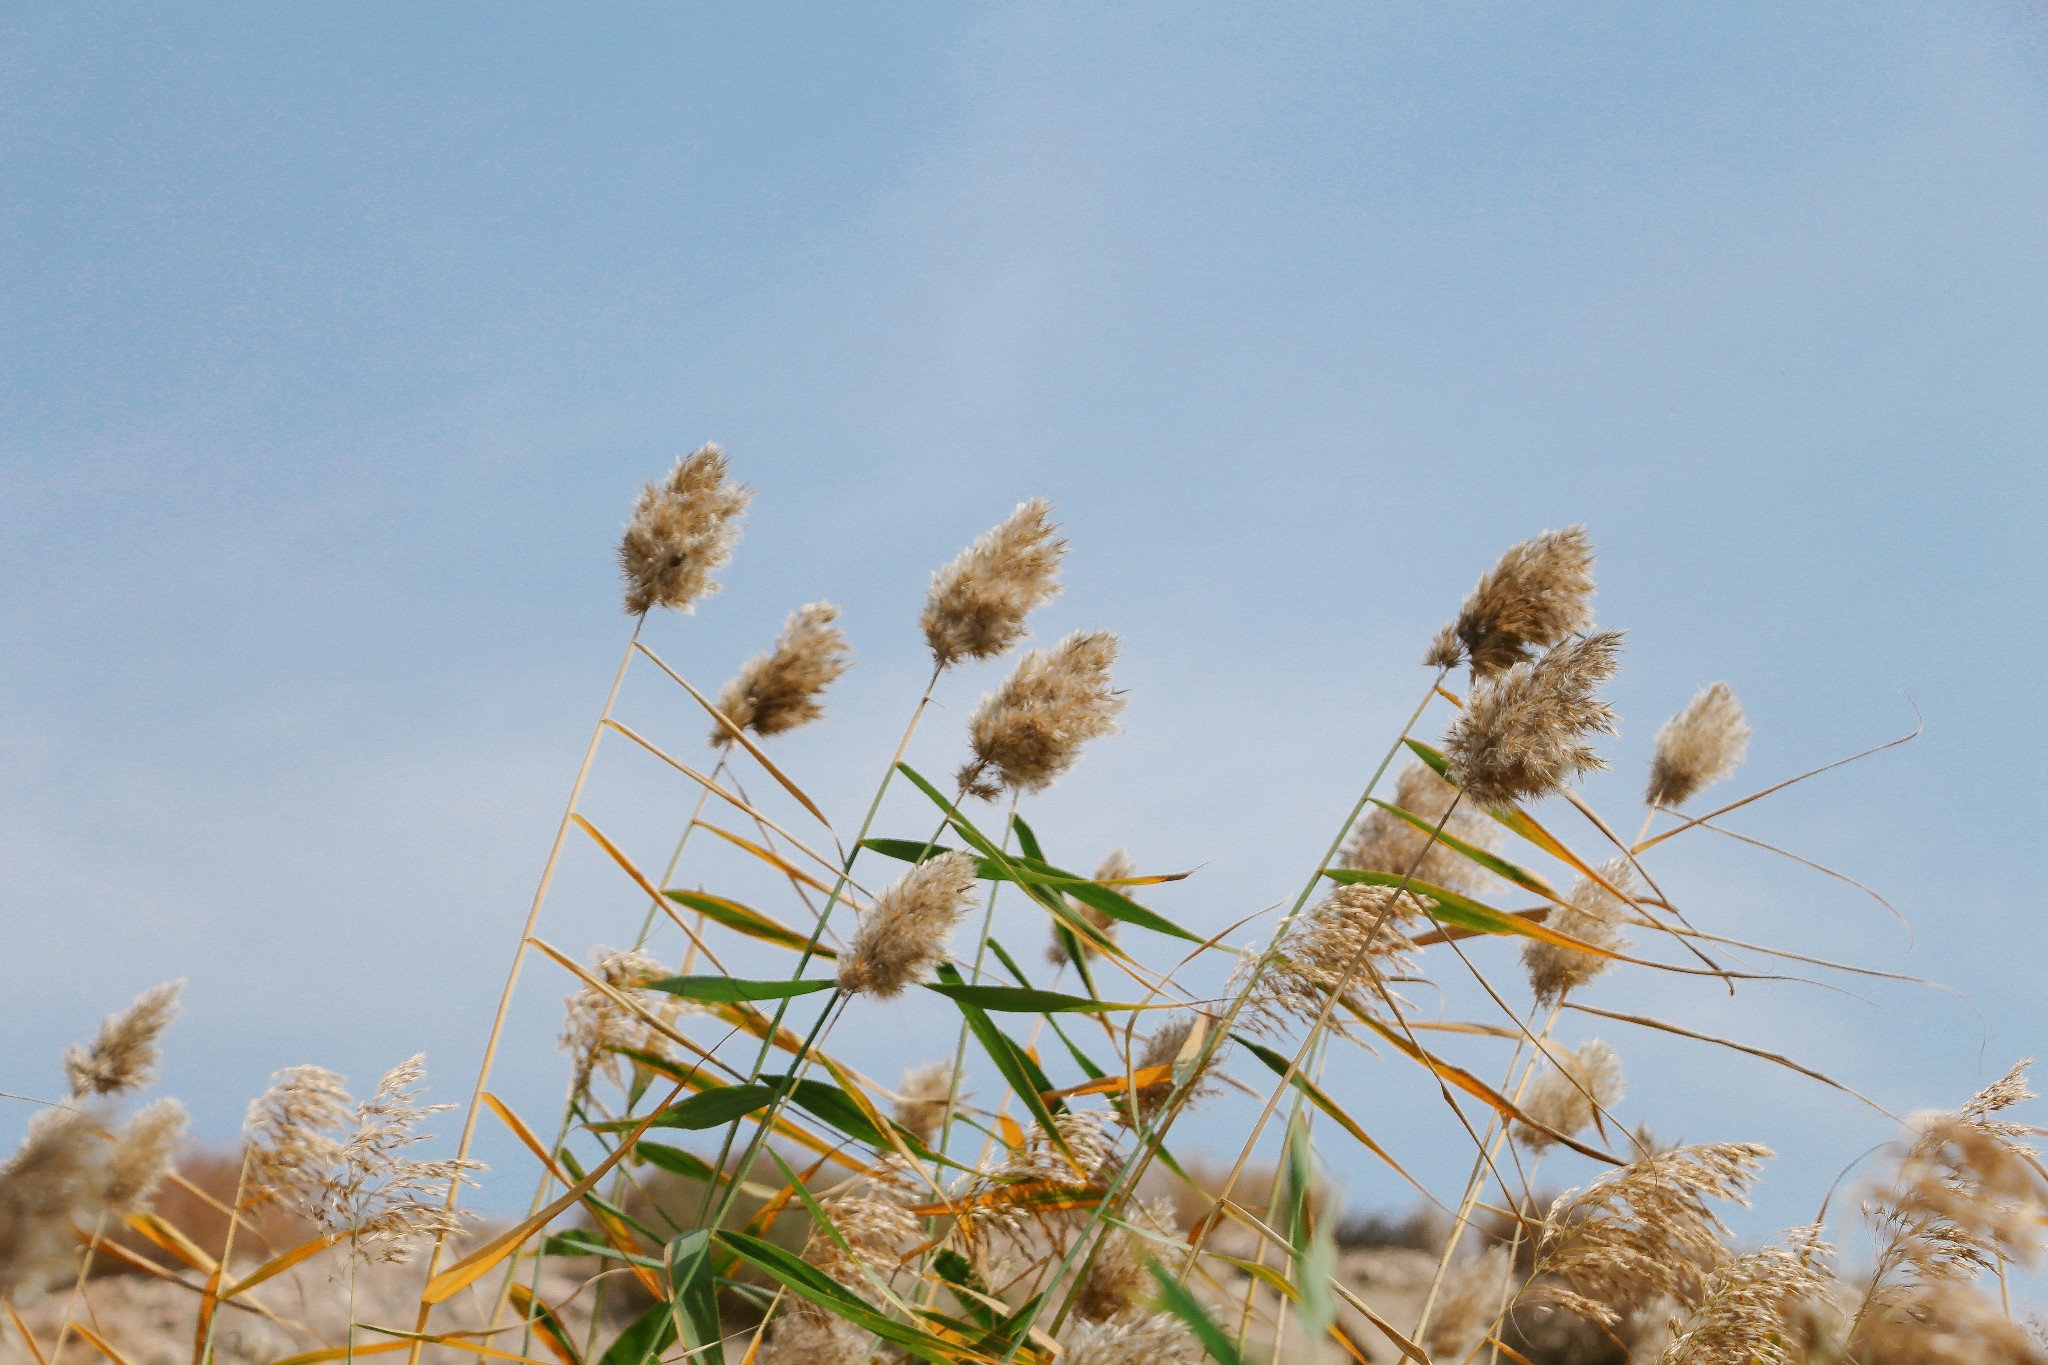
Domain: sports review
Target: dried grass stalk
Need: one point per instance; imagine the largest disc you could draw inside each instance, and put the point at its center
(681, 532)
(1523, 735)
(1698, 747)
(977, 604)
(1031, 729)
(903, 935)
(785, 687)
(1539, 593)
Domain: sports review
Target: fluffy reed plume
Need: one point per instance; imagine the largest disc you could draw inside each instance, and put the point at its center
(1594, 916)
(1968, 1192)
(805, 1335)
(1571, 1094)
(682, 530)
(1642, 1231)
(1031, 729)
(1540, 592)
(977, 604)
(1003, 1193)
(874, 1228)
(143, 1154)
(1117, 1285)
(289, 1136)
(1523, 734)
(784, 688)
(1746, 1312)
(1115, 864)
(595, 1026)
(55, 1176)
(921, 1099)
(1136, 1339)
(1472, 1295)
(1384, 842)
(1350, 938)
(1176, 1043)
(1698, 747)
(903, 935)
(124, 1056)
(343, 1165)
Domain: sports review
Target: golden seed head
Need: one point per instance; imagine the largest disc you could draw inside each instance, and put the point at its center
(903, 935)
(1594, 916)
(1698, 747)
(785, 687)
(1350, 941)
(1522, 734)
(681, 532)
(124, 1056)
(595, 1026)
(1031, 729)
(1747, 1310)
(977, 604)
(1539, 593)
(1384, 842)
(144, 1153)
(1114, 865)
(1571, 1094)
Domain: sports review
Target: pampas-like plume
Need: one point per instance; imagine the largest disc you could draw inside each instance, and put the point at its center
(1594, 916)
(143, 1155)
(682, 531)
(1540, 592)
(903, 935)
(1172, 1042)
(343, 1165)
(1031, 729)
(1745, 1315)
(1384, 842)
(55, 1174)
(1114, 865)
(1571, 1093)
(1698, 747)
(1358, 925)
(871, 1215)
(1134, 1339)
(1117, 1284)
(124, 1056)
(921, 1099)
(1642, 1231)
(977, 604)
(1523, 734)
(595, 1026)
(1471, 1299)
(783, 688)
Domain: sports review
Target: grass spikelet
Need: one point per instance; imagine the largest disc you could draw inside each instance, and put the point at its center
(977, 604)
(1747, 1310)
(143, 1154)
(903, 936)
(1135, 1339)
(124, 1056)
(382, 1198)
(1382, 842)
(1031, 729)
(1540, 592)
(55, 1175)
(1116, 863)
(681, 532)
(1352, 925)
(595, 1026)
(784, 688)
(1642, 1231)
(1523, 734)
(1571, 1093)
(921, 1099)
(290, 1136)
(1594, 916)
(1698, 747)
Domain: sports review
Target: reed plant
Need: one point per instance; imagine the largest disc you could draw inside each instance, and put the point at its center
(724, 1184)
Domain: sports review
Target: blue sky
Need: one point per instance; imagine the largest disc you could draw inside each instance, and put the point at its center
(338, 340)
